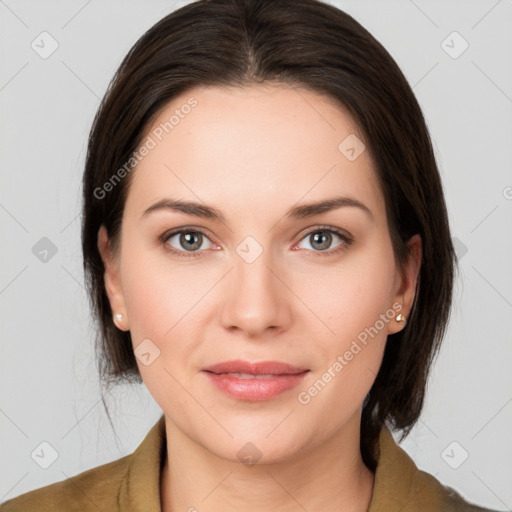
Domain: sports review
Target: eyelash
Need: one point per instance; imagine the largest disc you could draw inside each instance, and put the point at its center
(163, 239)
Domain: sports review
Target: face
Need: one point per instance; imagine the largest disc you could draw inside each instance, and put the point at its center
(318, 292)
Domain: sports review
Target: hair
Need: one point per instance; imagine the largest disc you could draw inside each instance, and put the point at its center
(317, 47)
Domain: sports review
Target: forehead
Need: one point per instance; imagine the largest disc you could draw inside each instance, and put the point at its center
(263, 147)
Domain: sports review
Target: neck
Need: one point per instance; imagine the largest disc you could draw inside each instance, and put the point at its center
(326, 477)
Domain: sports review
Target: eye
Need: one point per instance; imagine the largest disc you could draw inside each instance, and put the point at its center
(189, 243)
(321, 239)
(184, 242)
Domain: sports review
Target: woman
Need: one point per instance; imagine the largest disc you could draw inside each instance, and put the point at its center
(267, 249)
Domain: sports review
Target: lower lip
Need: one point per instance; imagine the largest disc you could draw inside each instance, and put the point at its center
(255, 390)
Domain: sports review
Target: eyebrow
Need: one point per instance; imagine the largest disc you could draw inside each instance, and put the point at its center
(296, 212)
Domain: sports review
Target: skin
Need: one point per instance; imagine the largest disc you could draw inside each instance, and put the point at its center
(253, 153)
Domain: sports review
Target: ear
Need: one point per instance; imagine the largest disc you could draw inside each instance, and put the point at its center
(406, 284)
(112, 280)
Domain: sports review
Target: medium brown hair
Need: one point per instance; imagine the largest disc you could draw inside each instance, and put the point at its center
(307, 44)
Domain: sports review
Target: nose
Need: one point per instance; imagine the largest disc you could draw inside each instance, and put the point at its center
(256, 298)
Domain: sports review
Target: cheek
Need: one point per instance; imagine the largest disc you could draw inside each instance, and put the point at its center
(350, 296)
(354, 303)
(348, 361)
(167, 303)
(163, 301)
(159, 293)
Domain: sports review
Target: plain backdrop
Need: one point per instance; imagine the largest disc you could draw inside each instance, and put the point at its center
(456, 56)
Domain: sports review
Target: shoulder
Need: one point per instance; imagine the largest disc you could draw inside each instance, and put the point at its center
(400, 485)
(129, 482)
(92, 490)
(431, 490)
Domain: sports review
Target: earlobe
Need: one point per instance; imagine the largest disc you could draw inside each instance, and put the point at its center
(112, 281)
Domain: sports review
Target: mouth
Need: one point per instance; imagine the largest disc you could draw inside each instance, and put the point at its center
(263, 368)
(254, 382)
(252, 376)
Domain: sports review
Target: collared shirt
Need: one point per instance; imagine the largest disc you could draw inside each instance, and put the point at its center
(132, 484)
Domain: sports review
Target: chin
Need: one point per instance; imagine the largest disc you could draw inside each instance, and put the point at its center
(257, 444)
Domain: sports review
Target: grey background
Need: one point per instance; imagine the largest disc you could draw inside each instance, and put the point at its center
(49, 389)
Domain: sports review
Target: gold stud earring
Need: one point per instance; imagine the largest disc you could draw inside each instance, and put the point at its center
(401, 318)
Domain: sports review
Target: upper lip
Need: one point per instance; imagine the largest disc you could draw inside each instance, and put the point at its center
(261, 368)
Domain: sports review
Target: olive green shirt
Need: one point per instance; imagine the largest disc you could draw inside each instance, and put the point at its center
(132, 484)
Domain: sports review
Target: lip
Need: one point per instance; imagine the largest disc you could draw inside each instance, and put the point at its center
(262, 381)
